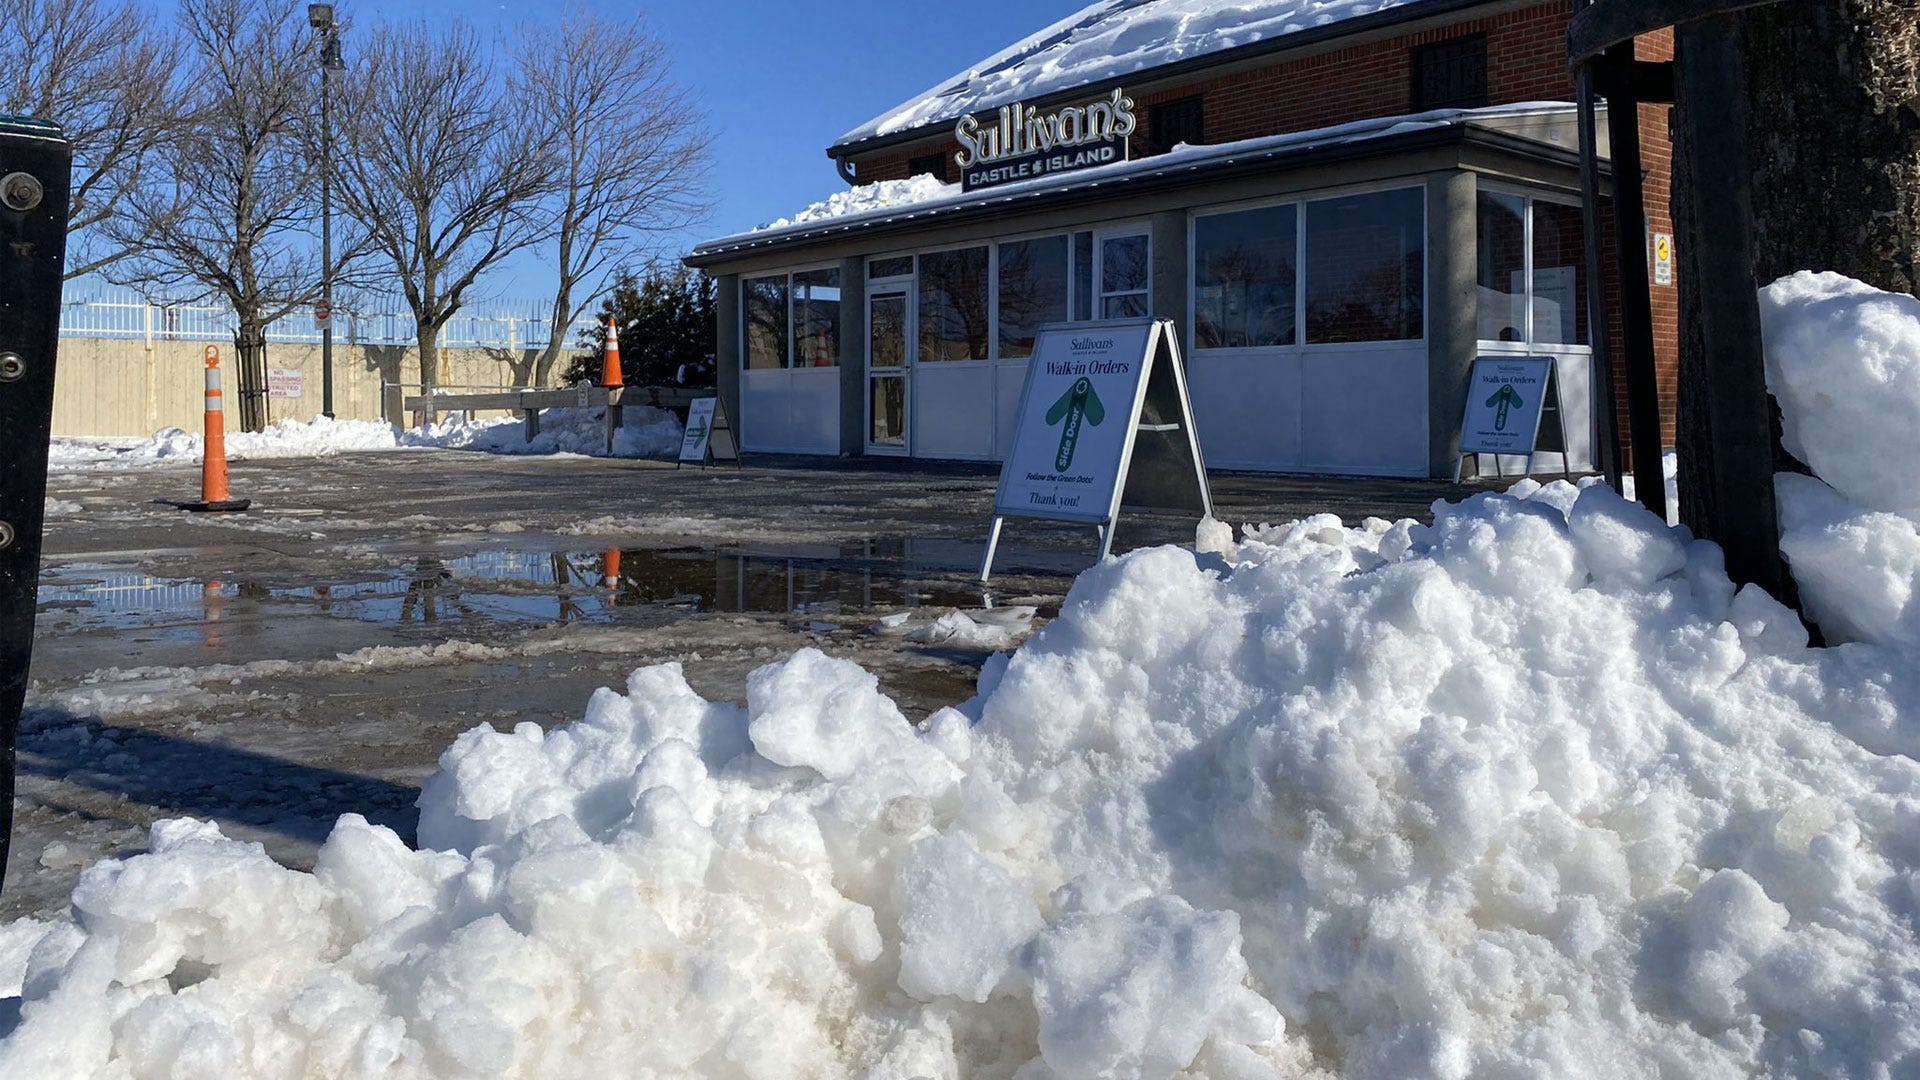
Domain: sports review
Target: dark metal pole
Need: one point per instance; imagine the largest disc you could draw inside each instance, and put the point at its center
(1606, 452)
(1743, 519)
(1636, 303)
(35, 174)
(326, 221)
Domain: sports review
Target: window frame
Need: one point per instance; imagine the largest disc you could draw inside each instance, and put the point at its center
(1299, 200)
(1526, 345)
(788, 275)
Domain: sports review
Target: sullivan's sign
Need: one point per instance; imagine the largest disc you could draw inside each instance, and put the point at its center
(1020, 142)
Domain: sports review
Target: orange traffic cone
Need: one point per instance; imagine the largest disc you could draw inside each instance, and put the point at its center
(213, 460)
(610, 374)
(610, 568)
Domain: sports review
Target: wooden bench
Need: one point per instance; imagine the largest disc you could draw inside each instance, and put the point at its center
(528, 403)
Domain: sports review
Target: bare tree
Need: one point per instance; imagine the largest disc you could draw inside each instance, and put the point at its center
(99, 71)
(230, 211)
(441, 171)
(630, 149)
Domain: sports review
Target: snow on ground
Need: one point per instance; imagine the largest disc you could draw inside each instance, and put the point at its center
(1106, 40)
(645, 432)
(868, 198)
(1531, 791)
(1843, 359)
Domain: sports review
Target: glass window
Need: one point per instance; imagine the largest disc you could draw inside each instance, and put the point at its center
(1243, 278)
(1559, 275)
(887, 331)
(889, 408)
(1033, 290)
(1082, 276)
(816, 318)
(884, 268)
(1501, 228)
(1123, 277)
(1366, 267)
(953, 305)
(766, 311)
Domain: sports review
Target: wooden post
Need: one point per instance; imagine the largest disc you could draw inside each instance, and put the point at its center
(1742, 517)
(1636, 305)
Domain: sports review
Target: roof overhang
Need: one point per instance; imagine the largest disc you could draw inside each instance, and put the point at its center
(1143, 177)
(1389, 22)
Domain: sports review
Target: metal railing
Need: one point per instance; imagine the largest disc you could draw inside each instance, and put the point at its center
(113, 313)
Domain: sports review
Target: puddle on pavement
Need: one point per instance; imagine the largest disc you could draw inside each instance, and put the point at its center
(816, 583)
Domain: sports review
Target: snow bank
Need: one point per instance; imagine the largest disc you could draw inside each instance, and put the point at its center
(868, 198)
(1106, 40)
(1531, 791)
(320, 437)
(645, 432)
(1843, 360)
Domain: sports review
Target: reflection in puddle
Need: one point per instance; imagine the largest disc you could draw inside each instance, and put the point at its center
(537, 586)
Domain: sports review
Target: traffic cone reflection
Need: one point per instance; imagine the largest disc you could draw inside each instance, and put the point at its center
(610, 568)
(610, 374)
(213, 457)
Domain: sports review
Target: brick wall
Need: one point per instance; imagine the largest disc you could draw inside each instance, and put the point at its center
(1526, 61)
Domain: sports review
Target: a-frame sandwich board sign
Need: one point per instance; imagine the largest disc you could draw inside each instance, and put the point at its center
(1105, 425)
(1513, 407)
(708, 438)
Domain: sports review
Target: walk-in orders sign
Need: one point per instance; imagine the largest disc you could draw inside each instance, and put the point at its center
(1504, 399)
(1104, 417)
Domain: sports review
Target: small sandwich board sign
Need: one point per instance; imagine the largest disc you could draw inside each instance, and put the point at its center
(1510, 400)
(708, 438)
(1105, 425)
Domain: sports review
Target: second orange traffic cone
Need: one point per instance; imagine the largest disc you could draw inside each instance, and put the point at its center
(213, 458)
(610, 373)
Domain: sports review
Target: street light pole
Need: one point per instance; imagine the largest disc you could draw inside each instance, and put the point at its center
(320, 17)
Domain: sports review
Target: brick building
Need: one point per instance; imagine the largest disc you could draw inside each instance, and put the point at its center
(1338, 217)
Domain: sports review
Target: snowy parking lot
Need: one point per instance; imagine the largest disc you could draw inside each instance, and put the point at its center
(738, 781)
(314, 656)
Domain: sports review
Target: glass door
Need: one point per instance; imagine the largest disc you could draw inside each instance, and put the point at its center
(889, 352)
(1123, 276)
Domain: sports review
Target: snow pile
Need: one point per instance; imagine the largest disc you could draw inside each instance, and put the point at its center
(980, 628)
(1843, 360)
(1531, 791)
(644, 432)
(1107, 40)
(868, 198)
(319, 437)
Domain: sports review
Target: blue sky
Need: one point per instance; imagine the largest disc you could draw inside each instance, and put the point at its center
(780, 81)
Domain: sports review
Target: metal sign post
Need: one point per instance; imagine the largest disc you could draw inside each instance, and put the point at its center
(1105, 426)
(35, 168)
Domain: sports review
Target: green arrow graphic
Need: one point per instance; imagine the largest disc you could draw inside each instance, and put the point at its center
(698, 432)
(1074, 405)
(1506, 399)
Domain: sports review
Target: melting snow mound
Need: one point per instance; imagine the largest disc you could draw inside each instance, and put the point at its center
(1531, 791)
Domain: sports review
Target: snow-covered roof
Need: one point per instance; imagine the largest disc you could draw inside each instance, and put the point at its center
(1110, 39)
(923, 197)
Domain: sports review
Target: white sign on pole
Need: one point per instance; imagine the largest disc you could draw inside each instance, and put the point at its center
(286, 383)
(693, 444)
(1104, 419)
